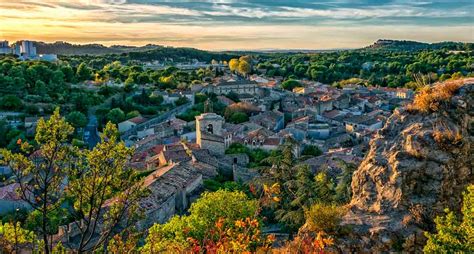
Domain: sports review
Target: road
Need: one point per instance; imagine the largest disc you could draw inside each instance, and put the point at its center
(91, 129)
(93, 138)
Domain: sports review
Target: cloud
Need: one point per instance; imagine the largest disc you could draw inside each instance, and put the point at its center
(223, 23)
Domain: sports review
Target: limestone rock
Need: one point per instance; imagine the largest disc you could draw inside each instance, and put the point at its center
(408, 177)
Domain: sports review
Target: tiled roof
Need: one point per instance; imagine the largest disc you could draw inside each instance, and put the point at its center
(137, 120)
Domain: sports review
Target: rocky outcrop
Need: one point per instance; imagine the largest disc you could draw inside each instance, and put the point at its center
(417, 165)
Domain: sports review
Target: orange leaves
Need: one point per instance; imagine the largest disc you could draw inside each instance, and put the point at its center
(320, 242)
(271, 193)
(243, 236)
(429, 99)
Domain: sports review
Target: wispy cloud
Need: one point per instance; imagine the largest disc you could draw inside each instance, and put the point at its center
(223, 23)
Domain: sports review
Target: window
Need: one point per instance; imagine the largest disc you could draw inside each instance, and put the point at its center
(210, 128)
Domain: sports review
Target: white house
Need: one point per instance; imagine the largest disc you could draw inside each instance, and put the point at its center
(130, 123)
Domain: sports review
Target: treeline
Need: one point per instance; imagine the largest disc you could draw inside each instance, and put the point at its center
(375, 67)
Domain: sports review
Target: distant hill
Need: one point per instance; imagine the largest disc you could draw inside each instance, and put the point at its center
(384, 44)
(66, 48)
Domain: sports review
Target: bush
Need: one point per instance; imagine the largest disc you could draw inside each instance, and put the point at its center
(312, 150)
(238, 117)
(325, 218)
(454, 236)
(203, 214)
(290, 84)
(430, 99)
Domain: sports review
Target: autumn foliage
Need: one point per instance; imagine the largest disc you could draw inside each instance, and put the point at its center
(431, 98)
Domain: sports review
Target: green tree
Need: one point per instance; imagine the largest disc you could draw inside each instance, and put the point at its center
(132, 114)
(104, 191)
(41, 174)
(116, 115)
(68, 73)
(11, 102)
(238, 117)
(77, 119)
(290, 84)
(13, 238)
(453, 235)
(83, 72)
(312, 151)
(203, 214)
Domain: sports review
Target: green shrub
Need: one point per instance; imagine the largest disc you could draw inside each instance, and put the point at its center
(325, 218)
(453, 235)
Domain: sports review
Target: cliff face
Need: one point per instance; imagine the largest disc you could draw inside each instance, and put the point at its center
(417, 165)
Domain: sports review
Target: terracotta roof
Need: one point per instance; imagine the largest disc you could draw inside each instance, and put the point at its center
(272, 141)
(137, 120)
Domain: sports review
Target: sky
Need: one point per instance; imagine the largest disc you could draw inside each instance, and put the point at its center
(237, 24)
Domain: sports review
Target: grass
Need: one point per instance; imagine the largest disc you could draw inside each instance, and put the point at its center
(430, 99)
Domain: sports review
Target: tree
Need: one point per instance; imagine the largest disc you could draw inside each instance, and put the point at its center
(203, 214)
(238, 117)
(454, 236)
(68, 73)
(234, 64)
(290, 84)
(41, 174)
(116, 115)
(181, 101)
(244, 68)
(312, 151)
(132, 114)
(77, 119)
(104, 191)
(13, 237)
(83, 72)
(10, 102)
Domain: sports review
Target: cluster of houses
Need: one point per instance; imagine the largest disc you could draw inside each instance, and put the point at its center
(340, 122)
(180, 155)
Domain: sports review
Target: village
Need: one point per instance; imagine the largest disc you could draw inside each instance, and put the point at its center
(339, 122)
(180, 155)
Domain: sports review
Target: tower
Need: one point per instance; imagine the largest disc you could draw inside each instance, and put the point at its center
(209, 134)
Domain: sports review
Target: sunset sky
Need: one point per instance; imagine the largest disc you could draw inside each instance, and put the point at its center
(237, 24)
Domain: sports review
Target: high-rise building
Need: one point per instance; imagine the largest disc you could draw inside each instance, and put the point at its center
(4, 47)
(16, 49)
(28, 49)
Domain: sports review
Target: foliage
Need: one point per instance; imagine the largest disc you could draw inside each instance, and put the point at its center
(430, 99)
(308, 243)
(300, 188)
(238, 117)
(244, 67)
(222, 205)
(453, 235)
(256, 156)
(311, 150)
(116, 115)
(13, 238)
(324, 218)
(10, 102)
(290, 84)
(244, 237)
(234, 64)
(124, 243)
(103, 189)
(77, 119)
(47, 167)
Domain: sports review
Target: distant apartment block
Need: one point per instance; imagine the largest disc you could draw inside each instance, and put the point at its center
(28, 48)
